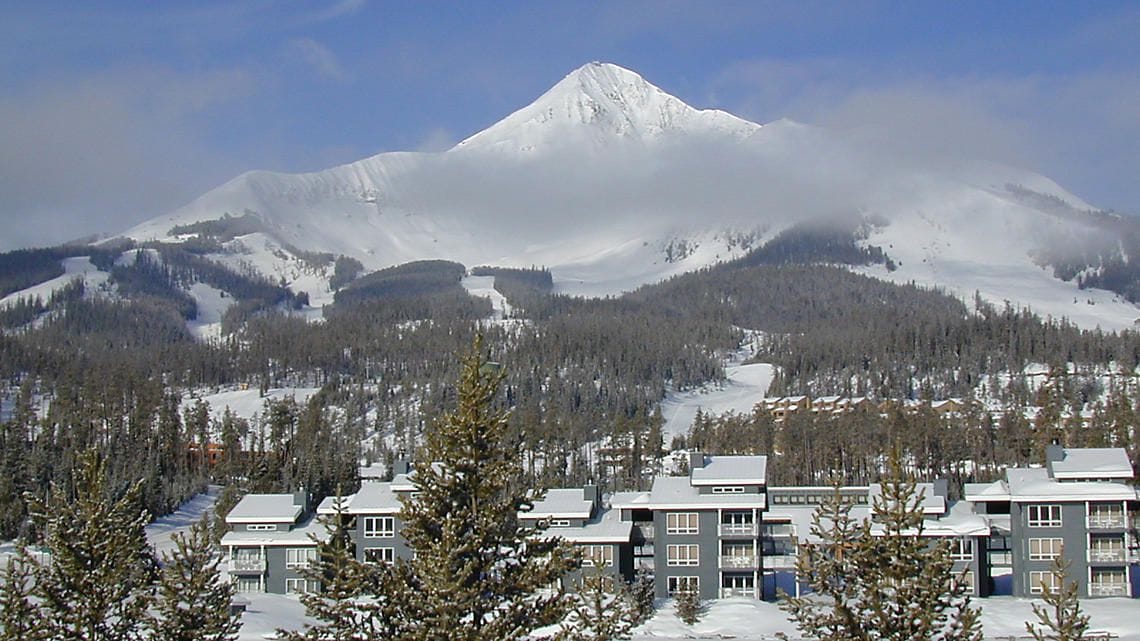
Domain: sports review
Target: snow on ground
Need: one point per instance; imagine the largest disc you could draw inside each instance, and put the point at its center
(159, 533)
(484, 287)
(212, 303)
(745, 619)
(248, 403)
(79, 267)
(746, 386)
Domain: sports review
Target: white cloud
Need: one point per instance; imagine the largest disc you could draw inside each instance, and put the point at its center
(319, 58)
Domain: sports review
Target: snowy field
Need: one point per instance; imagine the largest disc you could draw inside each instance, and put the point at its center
(746, 386)
(749, 620)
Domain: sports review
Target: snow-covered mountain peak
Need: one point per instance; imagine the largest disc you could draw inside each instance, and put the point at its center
(602, 102)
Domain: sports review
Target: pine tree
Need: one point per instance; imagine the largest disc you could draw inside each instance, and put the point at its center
(96, 584)
(643, 592)
(881, 580)
(688, 604)
(355, 601)
(603, 610)
(20, 616)
(478, 574)
(193, 603)
(1066, 622)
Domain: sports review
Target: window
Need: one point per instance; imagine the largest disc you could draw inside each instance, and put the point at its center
(378, 527)
(300, 586)
(559, 522)
(299, 557)
(962, 549)
(1045, 549)
(597, 555)
(1038, 581)
(681, 523)
(247, 584)
(1044, 516)
(684, 584)
(261, 527)
(965, 580)
(728, 489)
(678, 555)
(379, 555)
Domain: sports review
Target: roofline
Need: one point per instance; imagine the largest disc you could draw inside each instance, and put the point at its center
(706, 482)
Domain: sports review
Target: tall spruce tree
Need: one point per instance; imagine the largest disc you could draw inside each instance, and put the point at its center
(881, 579)
(478, 573)
(1066, 622)
(193, 603)
(96, 582)
(20, 615)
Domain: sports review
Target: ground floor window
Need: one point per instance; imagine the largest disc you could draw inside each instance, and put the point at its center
(300, 586)
(966, 580)
(684, 584)
(247, 584)
(379, 555)
(738, 585)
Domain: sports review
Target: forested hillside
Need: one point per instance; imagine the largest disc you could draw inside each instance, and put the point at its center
(584, 376)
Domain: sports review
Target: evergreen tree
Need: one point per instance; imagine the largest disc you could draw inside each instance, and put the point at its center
(880, 579)
(193, 602)
(603, 610)
(96, 584)
(688, 604)
(355, 601)
(478, 574)
(642, 592)
(20, 616)
(1066, 622)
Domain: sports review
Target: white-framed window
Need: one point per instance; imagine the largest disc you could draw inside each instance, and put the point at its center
(728, 489)
(593, 555)
(559, 522)
(379, 527)
(1038, 581)
(261, 527)
(296, 558)
(685, 554)
(684, 584)
(301, 586)
(965, 579)
(1044, 516)
(379, 555)
(962, 549)
(243, 584)
(1045, 549)
(682, 523)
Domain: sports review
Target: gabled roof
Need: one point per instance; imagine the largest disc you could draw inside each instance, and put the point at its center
(731, 470)
(562, 504)
(1092, 463)
(265, 508)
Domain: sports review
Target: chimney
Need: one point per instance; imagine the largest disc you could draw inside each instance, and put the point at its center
(590, 493)
(301, 497)
(1054, 452)
(400, 466)
(696, 461)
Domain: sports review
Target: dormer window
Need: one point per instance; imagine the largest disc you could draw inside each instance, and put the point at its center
(728, 489)
(559, 522)
(261, 527)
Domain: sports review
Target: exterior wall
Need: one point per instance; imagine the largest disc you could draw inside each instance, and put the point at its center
(709, 553)
(396, 542)
(621, 568)
(275, 573)
(1073, 533)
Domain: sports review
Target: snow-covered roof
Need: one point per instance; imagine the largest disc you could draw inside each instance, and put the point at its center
(562, 503)
(605, 527)
(933, 496)
(675, 492)
(302, 535)
(329, 505)
(265, 508)
(982, 492)
(731, 470)
(1092, 463)
(1034, 485)
(375, 498)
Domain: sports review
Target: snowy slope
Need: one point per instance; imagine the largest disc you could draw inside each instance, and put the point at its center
(604, 176)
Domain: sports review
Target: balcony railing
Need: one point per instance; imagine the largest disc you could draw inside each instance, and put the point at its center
(1001, 558)
(1109, 555)
(738, 529)
(778, 531)
(728, 593)
(246, 566)
(1107, 522)
(738, 562)
(1108, 589)
(779, 561)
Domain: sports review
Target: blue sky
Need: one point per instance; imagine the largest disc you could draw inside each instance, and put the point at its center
(114, 112)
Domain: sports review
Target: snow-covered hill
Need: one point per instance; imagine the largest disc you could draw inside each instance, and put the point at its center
(612, 183)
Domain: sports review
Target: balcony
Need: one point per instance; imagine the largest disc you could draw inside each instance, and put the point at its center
(729, 593)
(780, 531)
(1108, 589)
(1107, 522)
(1001, 558)
(779, 561)
(1108, 555)
(738, 529)
(746, 562)
(247, 566)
